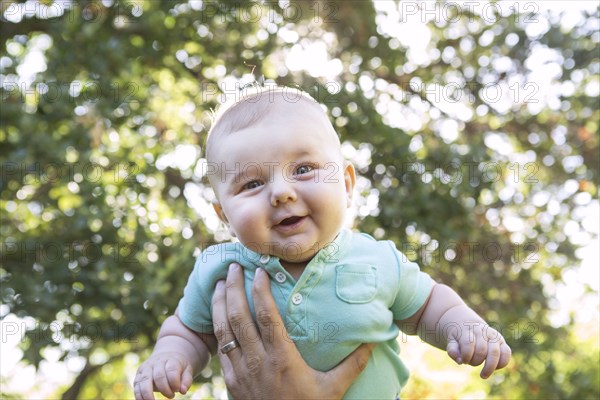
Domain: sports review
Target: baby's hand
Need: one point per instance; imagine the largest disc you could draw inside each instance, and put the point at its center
(166, 373)
(475, 343)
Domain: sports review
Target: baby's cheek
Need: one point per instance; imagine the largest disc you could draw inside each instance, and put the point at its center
(241, 224)
(247, 226)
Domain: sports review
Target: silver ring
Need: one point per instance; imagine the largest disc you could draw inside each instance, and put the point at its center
(227, 347)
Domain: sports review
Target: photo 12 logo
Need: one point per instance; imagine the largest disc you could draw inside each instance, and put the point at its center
(76, 91)
(238, 172)
(54, 172)
(236, 91)
(489, 252)
(78, 252)
(521, 331)
(59, 332)
(119, 12)
(472, 172)
(451, 12)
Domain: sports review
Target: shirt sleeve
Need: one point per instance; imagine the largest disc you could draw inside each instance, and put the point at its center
(413, 289)
(194, 308)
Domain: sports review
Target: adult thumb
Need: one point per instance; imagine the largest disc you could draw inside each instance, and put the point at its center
(341, 377)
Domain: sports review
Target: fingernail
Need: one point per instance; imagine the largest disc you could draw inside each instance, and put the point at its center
(220, 284)
(258, 271)
(233, 267)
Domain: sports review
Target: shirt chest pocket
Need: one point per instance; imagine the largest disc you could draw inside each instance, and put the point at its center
(356, 283)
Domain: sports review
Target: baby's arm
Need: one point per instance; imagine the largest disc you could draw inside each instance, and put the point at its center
(446, 322)
(178, 355)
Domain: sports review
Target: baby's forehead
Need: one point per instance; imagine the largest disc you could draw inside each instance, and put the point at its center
(269, 108)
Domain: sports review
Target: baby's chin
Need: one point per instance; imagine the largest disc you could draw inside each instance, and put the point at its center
(301, 257)
(298, 258)
(295, 260)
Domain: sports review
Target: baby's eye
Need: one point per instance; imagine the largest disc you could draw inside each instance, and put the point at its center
(252, 185)
(304, 169)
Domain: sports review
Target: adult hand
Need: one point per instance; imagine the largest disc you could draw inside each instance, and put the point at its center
(267, 364)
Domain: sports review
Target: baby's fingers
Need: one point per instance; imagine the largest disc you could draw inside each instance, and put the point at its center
(491, 361)
(142, 385)
(481, 350)
(453, 350)
(499, 354)
(186, 380)
(505, 354)
(161, 380)
(174, 372)
(467, 350)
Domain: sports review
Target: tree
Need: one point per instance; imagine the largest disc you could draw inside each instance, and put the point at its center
(474, 131)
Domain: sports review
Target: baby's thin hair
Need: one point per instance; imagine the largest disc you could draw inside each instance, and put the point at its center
(251, 106)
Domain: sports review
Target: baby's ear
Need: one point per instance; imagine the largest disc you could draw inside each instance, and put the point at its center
(219, 210)
(349, 180)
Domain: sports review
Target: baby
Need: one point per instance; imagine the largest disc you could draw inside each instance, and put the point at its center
(283, 188)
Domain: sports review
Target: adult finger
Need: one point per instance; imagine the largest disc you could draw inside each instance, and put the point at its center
(221, 326)
(238, 311)
(228, 371)
(272, 330)
(339, 379)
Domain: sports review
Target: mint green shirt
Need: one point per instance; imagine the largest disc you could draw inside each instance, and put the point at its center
(350, 293)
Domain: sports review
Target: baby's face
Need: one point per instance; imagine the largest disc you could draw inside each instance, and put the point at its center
(282, 185)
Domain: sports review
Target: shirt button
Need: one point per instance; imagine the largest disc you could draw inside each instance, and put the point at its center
(280, 277)
(265, 258)
(297, 299)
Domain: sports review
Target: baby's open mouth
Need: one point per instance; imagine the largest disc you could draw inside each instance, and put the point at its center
(290, 221)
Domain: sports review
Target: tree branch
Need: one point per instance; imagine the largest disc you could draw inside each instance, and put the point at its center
(72, 393)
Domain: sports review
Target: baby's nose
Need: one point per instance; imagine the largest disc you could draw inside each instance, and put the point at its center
(282, 191)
